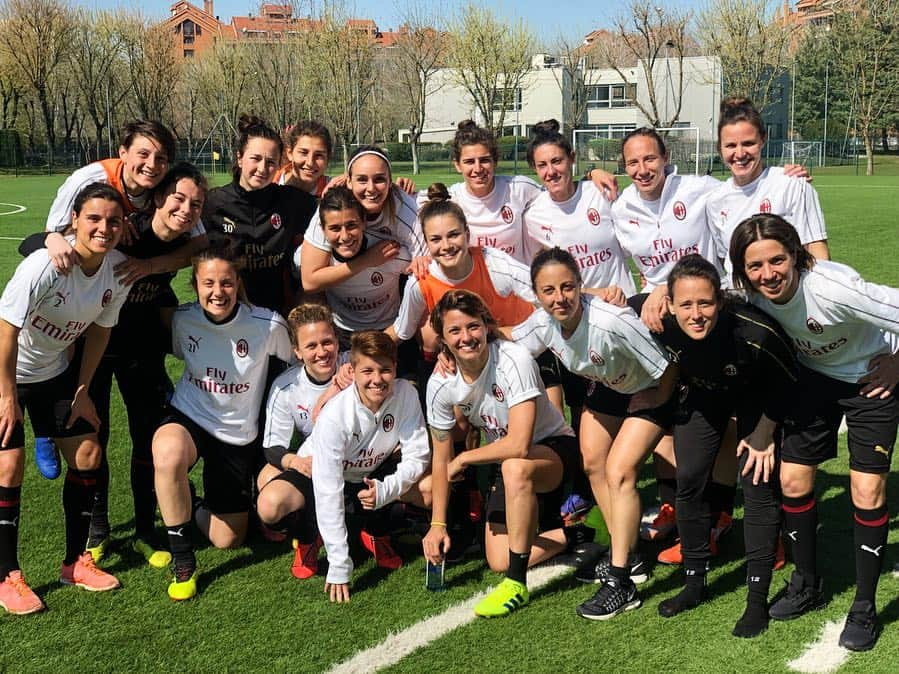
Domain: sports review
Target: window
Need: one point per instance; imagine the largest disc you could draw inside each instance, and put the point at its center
(612, 130)
(508, 99)
(188, 53)
(611, 95)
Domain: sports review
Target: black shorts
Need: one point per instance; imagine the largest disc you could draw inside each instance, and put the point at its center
(603, 400)
(227, 469)
(48, 404)
(810, 431)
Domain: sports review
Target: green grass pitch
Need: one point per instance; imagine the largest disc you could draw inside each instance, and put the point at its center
(252, 615)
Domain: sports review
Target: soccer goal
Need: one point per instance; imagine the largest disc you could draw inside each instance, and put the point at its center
(809, 153)
(601, 148)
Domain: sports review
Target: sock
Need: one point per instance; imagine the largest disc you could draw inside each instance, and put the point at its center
(77, 501)
(800, 524)
(721, 499)
(577, 535)
(871, 527)
(9, 529)
(518, 566)
(181, 542)
(300, 524)
(144, 495)
(758, 583)
(620, 573)
(667, 490)
(99, 526)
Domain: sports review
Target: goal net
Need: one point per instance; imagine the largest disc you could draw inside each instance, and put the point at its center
(809, 153)
(601, 148)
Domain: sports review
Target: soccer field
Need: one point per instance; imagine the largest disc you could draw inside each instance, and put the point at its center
(252, 615)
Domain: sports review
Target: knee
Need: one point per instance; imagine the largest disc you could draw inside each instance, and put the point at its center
(620, 477)
(169, 457)
(689, 486)
(594, 466)
(498, 563)
(794, 484)
(517, 475)
(869, 494)
(268, 507)
(227, 540)
(89, 455)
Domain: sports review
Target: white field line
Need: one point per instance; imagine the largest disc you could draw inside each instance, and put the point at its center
(16, 208)
(397, 646)
(824, 655)
(11, 238)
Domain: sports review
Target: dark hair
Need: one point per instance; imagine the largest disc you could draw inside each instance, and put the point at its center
(339, 198)
(765, 226)
(547, 133)
(389, 205)
(553, 255)
(304, 314)
(103, 191)
(373, 344)
(223, 250)
(439, 203)
(736, 109)
(251, 126)
(468, 303)
(469, 133)
(648, 132)
(695, 266)
(182, 171)
(150, 129)
(312, 128)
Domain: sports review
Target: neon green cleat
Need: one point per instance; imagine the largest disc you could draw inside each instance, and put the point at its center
(158, 559)
(185, 589)
(98, 551)
(508, 596)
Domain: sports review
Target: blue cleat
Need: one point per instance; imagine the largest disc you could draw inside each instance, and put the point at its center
(46, 457)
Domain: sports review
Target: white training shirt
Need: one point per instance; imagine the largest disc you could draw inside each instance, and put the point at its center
(404, 228)
(657, 239)
(837, 320)
(610, 345)
(794, 199)
(510, 377)
(583, 226)
(225, 368)
(508, 275)
(348, 443)
(51, 310)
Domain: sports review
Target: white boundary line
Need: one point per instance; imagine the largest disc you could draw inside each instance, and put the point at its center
(11, 238)
(397, 646)
(17, 208)
(823, 655)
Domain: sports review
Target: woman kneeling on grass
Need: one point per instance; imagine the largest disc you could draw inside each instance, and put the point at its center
(497, 387)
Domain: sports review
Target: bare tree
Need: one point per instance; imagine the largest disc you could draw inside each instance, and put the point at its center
(752, 43)
(578, 71)
(154, 69)
(11, 92)
(491, 60)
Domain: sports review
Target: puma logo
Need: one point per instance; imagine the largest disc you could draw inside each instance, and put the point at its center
(792, 535)
(873, 551)
(881, 450)
(10, 523)
(194, 343)
(176, 532)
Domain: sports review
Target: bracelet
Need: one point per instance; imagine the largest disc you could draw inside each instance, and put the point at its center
(435, 523)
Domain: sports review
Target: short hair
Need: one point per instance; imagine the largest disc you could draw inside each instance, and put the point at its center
(468, 303)
(547, 133)
(554, 255)
(765, 226)
(312, 128)
(439, 203)
(737, 109)
(373, 344)
(647, 132)
(304, 314)
(150, 129)
(695, 266)
(182, 171)
(98, 190)
(339, 198)
(251, 126)
(469, 133)
(223, 250)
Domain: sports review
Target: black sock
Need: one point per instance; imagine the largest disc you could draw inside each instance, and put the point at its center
(667, 490)
(800, 525)
(9, 529)
(620, 573)
(77, 502)
(871, 528)
(518, 566)
(758, 583)
(99, 527)
(144, 493)
(300, 524)
(721, 499)
(181, 542)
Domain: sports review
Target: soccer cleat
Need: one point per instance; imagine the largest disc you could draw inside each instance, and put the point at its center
(84, 573)
(183, 585)
(860, 630)
(673, 555)
(662, 526)
(158, 559)
(16, 597)
(305, 558)
(509, 595)
(724, 524)
(46, 456)
(381, 550)
(614, 597)
(599, 572)
(97, 547)
(797, 598)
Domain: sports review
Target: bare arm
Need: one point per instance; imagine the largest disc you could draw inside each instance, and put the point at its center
(96, 337)
(318, 273)
(10, 412)
(515, 445)
(819, 249)
(437, 541)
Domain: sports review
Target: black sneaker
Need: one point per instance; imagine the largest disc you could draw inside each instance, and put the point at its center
(797, 598)
(599, 571)
(860, 631)
(614, 597)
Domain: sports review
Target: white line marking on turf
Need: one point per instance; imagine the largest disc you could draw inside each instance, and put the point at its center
(11, 238)
(16, 208)
(397, 646)
(824, 655)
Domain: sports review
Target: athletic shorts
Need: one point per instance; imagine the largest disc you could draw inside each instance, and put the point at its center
(48, 404)
(810, 431)
(603, 400)
(227, 469)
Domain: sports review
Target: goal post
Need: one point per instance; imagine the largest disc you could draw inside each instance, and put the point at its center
(809, 153)
(601, 148)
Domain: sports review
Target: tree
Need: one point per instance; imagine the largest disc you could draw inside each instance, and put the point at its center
(752, 43)
(818, 86)
(153, 67)
(491, 60)
(578, 71)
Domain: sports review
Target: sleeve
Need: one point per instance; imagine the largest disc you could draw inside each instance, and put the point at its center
(34, 242)
(636, 338)
(522, 377)
(279, 426)
(315, 235)
(808, 218)
(528, 333)
(412, 309)
(328, 484)
(508, 275)
(198, 229)
(530, 190)
(279, 342)
(31, 281)
(775, 376)
(60, 215)
(177, 320)
(440, 407)
(857, 300)
(408, 229)
(414, 450)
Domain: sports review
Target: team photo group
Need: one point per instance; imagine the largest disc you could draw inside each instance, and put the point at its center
(487, 364)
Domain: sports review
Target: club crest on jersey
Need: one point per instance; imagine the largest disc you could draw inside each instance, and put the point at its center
(596, 359)
(387, 423)
(377, 278)
(679, 210)
(730, 370)
(242, 349)
(765, 206)
(506, 213)
(276, 221)
(107, 297)
(814, 326)
(593, 216)
(498, 393)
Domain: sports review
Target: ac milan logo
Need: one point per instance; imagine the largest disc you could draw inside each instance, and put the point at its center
(814, 326)
(593, 216)
(107, 297)
(596, 359)
(276, 221)
(242, 349)
(730, 370)
(377, 278)
(680, 211)
(498, 393)
(765, 206)
(507, 215)
(387, 423)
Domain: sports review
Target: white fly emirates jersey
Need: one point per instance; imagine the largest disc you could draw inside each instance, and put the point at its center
(291, 400)
(657, 239)
(582, 225)
(349, 442)
(510, 377)
(837, 320)
(610, 345)
(794, 199)
(225, 368)
(51, 310)
(404, 228)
